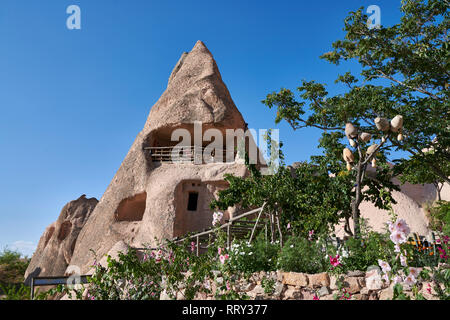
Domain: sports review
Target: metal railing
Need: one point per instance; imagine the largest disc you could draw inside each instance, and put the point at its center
(236, 230)
(190, 154)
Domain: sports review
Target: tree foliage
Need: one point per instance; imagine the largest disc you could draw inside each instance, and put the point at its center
(405, 70)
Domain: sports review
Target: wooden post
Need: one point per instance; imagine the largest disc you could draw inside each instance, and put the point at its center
(228, 235)
(265, 231)
(279, 231)
(32, 288)
(256, 223)
(197, 244)
(272, 228)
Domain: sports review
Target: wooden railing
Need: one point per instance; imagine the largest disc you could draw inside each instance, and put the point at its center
(191, 154)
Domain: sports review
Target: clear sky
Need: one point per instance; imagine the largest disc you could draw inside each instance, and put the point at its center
(73, 101)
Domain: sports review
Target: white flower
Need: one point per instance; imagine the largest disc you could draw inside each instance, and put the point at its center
(403, 260)
(250, 253)
(402, 226)
(410, 280)
(398, 237)
(291, 245)
(344, 253)
(391, 227)
(397, 279)
(384, 266)
(414, 271)
(217, 216)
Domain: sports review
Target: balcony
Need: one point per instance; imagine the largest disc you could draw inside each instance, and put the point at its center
(190, 154)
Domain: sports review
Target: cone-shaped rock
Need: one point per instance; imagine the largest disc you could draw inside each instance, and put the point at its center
(55, 248)
(149, 197)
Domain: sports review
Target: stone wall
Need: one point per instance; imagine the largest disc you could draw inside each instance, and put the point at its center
(302, 286)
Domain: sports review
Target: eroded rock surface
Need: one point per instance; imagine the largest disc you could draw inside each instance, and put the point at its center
(56, 246)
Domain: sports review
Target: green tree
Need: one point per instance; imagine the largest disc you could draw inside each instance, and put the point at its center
(405, 71)
(306, 197)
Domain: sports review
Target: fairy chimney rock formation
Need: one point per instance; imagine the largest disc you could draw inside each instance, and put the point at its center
(148, 199)
(55, 248)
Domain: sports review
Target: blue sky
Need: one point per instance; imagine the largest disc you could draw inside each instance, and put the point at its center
(73, 101)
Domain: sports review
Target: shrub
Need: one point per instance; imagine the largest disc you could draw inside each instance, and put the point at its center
(359, 254)
(15, 292)
(260, 255)
(301, 255)
(12, 267)
(439, 216)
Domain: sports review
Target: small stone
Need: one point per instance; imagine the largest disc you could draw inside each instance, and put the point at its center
(307, 294)
(292, 293)
(387, 294)
(324, 291)
(280, 276)
(257, 291)
(356, 274)
(278, 290)
(374, 282)
(295, 279)
(353, 284)
(248, 286)
(364, 291)
(333, 282)
(373, 295)
(318, 280)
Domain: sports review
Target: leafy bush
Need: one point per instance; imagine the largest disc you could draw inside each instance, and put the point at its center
(439, 216)
(359, 254)
(257, 256)
(301, 255)
(12, 267)
(139, 277)
(15, 291)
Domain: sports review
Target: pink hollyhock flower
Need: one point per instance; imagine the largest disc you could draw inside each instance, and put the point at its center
(397, 248)
(402, 226)
(414, 271)
(391, 227)
(397, 279)
(335, 261)
(288, 226)
(223, 258)
(192, 246)
(385, 277)
(445, 239)
(228, 285)
(384, 266)
(315, 297)
(219, 250)
(398, 237)
(410, 280)
(310, 235)
(403, 260)
(443, 253)
(158, 255)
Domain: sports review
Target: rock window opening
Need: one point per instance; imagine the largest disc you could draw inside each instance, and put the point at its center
(192, 201)
(132, 208)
